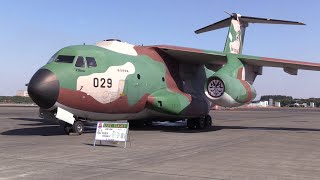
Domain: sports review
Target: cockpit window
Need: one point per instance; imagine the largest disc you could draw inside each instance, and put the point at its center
(65, 59)
(80, 62)
(91, 62)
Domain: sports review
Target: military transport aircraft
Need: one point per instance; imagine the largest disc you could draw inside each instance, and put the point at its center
(113, 80)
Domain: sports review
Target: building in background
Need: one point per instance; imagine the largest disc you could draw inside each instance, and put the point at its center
(312, 104)
(23, 93)
(258, 104)
(277, 104)
(270, 102)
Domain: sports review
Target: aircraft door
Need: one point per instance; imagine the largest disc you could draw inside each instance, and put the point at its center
(121, 87)
(115, 93)
(110, 95)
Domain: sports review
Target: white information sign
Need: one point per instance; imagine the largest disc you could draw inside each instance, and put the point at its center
(112, 131)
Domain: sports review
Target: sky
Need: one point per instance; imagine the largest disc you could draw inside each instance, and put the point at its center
(32, 31)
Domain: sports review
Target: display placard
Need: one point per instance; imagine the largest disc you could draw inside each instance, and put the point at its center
(111, 131)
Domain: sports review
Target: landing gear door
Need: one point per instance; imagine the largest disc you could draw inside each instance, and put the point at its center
(65, 116)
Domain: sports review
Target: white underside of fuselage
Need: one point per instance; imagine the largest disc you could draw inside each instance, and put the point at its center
(94, 116)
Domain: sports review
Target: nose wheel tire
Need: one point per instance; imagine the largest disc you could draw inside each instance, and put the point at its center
(78, 127)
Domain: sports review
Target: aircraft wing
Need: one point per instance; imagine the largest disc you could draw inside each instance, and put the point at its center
(197, 56)
(194, 56)
(289, 66)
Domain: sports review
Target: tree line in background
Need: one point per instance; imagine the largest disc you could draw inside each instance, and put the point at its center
(16, 99)
(288, 100)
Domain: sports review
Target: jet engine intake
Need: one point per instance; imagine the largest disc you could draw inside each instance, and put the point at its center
(227, 91)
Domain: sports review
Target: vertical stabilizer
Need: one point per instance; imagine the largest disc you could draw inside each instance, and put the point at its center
(235, 38)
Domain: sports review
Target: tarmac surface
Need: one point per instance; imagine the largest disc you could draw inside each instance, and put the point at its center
(242, 145)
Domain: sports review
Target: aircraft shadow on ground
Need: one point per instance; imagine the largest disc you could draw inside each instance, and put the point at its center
(35, 131)
(39, 121)
(51, 128)
(269, 128)
(184, 129)
(178, 127)
(43, 127)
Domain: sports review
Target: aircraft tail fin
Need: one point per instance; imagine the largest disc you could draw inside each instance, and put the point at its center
(237, 26)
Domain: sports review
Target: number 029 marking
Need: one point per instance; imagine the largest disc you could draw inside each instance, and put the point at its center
(101, 82)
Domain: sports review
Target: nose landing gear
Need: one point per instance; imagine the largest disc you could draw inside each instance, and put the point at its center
(200, 123)
(77, 128)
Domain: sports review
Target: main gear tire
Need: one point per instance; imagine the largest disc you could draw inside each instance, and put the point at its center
(78, 127)
(201, 123)
(191, 123)
(208, 121)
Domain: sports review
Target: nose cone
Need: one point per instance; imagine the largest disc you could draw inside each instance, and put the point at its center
(43, 88)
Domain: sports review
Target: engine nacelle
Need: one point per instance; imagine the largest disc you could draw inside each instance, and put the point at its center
(227, 91)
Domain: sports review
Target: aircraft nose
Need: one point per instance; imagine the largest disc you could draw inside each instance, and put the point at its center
(43, 88)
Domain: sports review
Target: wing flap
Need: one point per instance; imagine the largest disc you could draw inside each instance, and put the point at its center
(194, 56)
(288, 65)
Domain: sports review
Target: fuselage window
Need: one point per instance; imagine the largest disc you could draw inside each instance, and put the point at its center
(80, 62)
(65, 59)
(91, 62)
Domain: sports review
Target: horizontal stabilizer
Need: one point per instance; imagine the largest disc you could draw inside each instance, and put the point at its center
(244, 19)
(268, 21)
(218, 25)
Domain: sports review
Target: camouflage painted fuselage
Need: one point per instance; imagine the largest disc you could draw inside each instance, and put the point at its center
(113, 80)
(131, 84)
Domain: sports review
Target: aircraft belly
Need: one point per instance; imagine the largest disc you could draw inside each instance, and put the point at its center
(95, 116)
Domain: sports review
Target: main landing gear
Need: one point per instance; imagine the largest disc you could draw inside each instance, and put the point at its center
(76, 128)
(200, 123)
